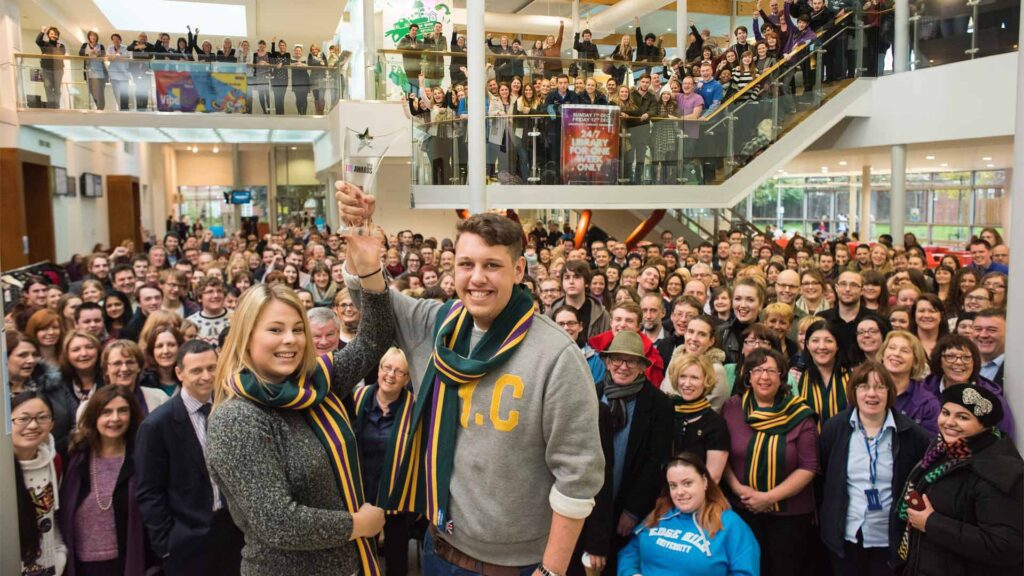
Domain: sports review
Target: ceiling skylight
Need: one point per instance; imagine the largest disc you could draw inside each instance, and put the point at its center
(171, 16)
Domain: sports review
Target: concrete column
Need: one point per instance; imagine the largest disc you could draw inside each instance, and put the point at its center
(901, 41)
(236, 183)
(898, 193)
(864, 222)
(1015, 309)
(576, 17)
(476, 37)
(272, 189)
(682, 28)
(370, 51)
(852, 210)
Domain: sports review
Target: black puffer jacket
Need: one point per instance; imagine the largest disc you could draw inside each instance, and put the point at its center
(976, 529)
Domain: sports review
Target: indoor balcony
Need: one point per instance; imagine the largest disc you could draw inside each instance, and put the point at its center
(107, 98)
(711, 161)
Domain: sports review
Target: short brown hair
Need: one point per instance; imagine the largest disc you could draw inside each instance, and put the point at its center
(628, 306)
(860, 376)
(496, 230)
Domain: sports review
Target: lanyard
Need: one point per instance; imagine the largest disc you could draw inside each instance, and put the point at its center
(872, 457)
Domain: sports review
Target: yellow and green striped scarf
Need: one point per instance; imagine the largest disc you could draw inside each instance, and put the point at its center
(330, 423)
(399, 435)
(825, 400)
(426, 466)
(766, 451)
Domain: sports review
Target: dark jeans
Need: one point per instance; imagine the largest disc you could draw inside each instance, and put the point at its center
(141, 92)
(221, 554)
(301, 98)
(784, 542)
(861, 561)
(263, 90)
(96, 568)
(279, 94)
(51, 84)
(96, 88)
(433, 565)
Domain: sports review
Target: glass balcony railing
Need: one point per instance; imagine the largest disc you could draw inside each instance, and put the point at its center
(110, 83)
(947, 32)
(628, 140)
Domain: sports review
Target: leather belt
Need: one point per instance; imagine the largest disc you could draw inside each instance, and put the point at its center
(456, 557)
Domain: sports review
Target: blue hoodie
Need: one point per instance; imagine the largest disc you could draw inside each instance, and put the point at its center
(677, 545)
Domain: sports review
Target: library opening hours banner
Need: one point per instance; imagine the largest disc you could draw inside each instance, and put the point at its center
(590, 144)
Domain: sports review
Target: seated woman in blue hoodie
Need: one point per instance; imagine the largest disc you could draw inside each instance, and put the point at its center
(691, 531)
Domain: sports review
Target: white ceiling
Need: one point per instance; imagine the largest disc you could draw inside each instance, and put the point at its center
(183, 135)
(987, 154)
(296, 21)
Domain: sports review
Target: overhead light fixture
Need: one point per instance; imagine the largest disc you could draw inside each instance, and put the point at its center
(986, 158)
(295, 147)
(842, 162)
(944, 165)
(195, 149)
(929, 157)
(990, 165)
(216, 149)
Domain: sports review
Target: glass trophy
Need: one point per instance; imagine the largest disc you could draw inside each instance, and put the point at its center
(364, 153)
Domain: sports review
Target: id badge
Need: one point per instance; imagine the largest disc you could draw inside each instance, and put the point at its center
(874, 500)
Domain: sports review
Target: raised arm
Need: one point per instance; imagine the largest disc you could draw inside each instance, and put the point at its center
(376, 325)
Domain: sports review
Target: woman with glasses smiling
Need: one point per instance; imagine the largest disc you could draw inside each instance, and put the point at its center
(867, 453)
(773, 457)
(121, 363)
(995, 282)
(26, 373)
(42, 548)
(956, 360)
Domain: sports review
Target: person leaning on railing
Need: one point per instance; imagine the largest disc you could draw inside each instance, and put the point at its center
(318, 77)
(280, 58)
(49, 43)
(263, 73)
(553, 49)
(433, 64)
(456, 68)
(142, 50)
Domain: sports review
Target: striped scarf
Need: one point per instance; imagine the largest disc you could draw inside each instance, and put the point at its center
(398, 443)
(330, 423)
(425, 469)
(766, 451)
(826, 400)
(690, 408)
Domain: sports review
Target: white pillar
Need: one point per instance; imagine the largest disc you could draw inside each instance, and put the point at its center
(898, 193)
(575, 17)
(864, 231)
(682, 27)
(853, 208)
(901, 43)
(1015, 310)
(476, 38)
(370, 51)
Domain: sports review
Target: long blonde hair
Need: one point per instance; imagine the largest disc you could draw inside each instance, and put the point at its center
(234, 356)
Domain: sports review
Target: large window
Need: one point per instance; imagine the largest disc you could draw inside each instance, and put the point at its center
(944, 208)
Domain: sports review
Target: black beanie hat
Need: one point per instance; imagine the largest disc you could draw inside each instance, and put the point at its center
(981, 402)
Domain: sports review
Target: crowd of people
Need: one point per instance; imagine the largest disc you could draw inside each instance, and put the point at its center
(129, 68)
(737, 407)
(661, 101)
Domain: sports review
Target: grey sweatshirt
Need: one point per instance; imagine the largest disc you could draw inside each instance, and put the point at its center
(276, 474)
(528, 442)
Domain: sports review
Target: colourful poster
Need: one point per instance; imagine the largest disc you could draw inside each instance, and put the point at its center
(590, 144)
(200, 91)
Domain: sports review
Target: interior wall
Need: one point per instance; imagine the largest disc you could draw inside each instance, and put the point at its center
(394, 212)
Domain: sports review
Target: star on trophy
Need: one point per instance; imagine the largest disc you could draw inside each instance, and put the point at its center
(364, 153)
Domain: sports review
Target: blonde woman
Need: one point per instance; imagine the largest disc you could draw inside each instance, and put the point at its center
(698, 428)
(280, 445)
(904, 357)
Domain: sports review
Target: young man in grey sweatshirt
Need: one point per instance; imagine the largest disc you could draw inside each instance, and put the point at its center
(528, 462)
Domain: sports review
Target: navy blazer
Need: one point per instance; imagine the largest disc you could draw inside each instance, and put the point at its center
(174, 490)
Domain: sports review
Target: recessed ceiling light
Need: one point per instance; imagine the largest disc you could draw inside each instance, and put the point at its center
(944, 165)
(669, 30)
(216, 149)
(842, 162)
(986, 158)
(295, 147)
(990, 165)
(929, 157)
(195, 149)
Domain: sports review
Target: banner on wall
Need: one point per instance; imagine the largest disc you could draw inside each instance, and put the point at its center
(200, 91)
(590, 144)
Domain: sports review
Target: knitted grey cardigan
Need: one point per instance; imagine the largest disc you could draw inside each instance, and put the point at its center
(275, 473)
